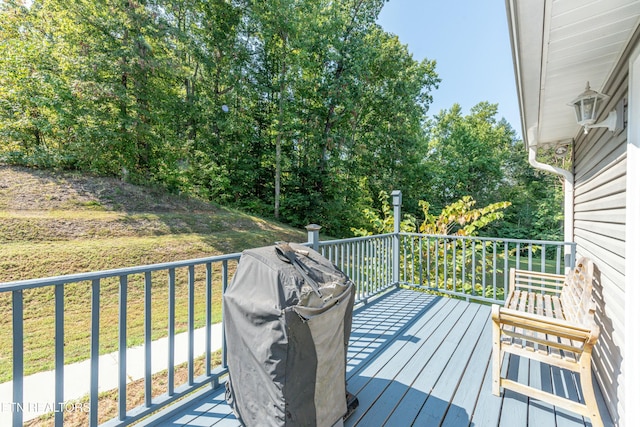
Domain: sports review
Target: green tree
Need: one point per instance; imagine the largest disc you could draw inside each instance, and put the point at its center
(537, 198)
(34, 97)
(300, 109)
(480, 156)
(466, 155)
(360, 106)
(460, 218)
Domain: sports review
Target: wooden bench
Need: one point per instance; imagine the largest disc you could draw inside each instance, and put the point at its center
(549, 318)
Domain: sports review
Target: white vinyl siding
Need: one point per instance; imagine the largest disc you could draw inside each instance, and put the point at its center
(600, 170)
(632, 273)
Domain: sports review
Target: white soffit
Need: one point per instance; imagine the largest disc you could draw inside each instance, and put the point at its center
(557, 46)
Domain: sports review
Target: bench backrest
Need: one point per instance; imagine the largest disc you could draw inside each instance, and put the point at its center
(576, 296)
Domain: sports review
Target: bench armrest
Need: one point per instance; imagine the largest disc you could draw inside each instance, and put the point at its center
(545, 325)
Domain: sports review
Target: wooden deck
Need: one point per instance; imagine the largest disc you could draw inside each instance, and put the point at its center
(418, 359)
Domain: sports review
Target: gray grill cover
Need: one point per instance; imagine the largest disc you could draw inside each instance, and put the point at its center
(286, 346)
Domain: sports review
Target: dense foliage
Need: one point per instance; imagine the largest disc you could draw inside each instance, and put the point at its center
(460, 218)
(303, 110)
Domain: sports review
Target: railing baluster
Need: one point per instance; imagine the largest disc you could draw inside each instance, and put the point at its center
(122, 350)
(375, 265)
(59, 344)
(386, 262)
(429, 261)
(455, 261)
(191, 316)
(362, 269)
(473, 267)
(543, 259)
(147, 339)
(388, 243)
(437, 256)
(172, 331)
(384, 270)
(445, 263)
(505, 273)
(371, 287)
(348, 268)
(225, 283)
(390, 260)
(384, 282)
(95, 352)
(354, 268)
(389, 256)
(484, 268)
(404, 251)
(371, 280)
(420, 283)
(349, 260)
(377, 268)
(207, 324)
(360, 272)
(413, 261)
(464, 263)
(495, 268)
(18, 362)
(368, 267)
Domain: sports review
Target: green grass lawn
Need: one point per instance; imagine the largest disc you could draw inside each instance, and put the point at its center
(55, 224)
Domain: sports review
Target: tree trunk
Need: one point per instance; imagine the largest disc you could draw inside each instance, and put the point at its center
(276, 206)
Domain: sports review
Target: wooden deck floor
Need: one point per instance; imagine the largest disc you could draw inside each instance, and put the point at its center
(417, 359)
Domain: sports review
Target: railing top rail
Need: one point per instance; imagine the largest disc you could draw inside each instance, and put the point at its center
(81, 277)
(354, 239)
(489, 239)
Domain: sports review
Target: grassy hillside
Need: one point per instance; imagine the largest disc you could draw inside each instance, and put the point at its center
(60, 223)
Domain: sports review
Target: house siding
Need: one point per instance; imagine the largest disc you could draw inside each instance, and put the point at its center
(600, 171)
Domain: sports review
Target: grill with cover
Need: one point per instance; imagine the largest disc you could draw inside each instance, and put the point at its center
(287, 319)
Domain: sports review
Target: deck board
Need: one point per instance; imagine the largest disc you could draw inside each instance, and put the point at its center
(389, 384)
(470, 382)
(420, 375)
(443, 392)
(418, 359)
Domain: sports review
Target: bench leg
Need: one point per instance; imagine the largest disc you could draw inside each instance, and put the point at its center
(496, 355)
(588, 393)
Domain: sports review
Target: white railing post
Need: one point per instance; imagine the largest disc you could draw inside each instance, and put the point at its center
(313, 235)
(396, 197)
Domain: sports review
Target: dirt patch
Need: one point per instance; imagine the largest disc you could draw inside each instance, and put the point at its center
(108, 401)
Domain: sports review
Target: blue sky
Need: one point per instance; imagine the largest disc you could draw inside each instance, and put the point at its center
(469, 40)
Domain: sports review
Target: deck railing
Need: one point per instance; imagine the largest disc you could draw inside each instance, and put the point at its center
(473, 268)
(190, 289)
(368, 261)
(476, 268)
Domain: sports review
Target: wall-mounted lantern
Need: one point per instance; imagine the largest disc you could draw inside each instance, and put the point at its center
(588, 105)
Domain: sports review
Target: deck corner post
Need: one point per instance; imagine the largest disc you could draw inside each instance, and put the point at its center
(313, 235)
(396, 197)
